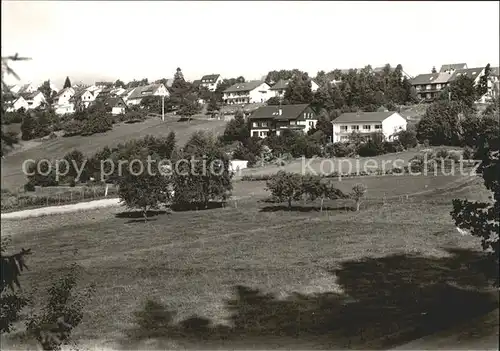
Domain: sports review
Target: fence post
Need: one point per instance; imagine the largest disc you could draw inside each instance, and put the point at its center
(71, 195)
(47, 199)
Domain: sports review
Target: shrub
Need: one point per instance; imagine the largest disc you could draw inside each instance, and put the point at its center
(72, 127)
(154, 319)
(407, 138)
(343, 149)
(468, 153)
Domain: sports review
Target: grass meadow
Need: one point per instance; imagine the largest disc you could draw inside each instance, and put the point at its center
(252, 275)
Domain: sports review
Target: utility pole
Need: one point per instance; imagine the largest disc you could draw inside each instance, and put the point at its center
(163, 107)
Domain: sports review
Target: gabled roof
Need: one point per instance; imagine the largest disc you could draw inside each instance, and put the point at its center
(452, 66)
(78, 94)
(469, 72)
(126, 92)
(247, 86)
(64, 90)
(431, 78)
(358, 117)
(288, 112)
(210, 78)
(145, 90)
(30, 96)
(280, 84)
(114, 101)
(24, 88)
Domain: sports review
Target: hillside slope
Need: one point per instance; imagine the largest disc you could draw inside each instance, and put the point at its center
(13, 177)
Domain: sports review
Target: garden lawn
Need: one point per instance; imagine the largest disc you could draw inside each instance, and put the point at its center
(371, 279)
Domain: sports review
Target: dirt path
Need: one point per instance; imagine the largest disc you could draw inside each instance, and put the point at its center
(44, 211)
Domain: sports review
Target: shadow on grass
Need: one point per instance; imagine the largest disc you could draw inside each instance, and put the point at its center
(277, 208)
(385, 302)
(196, 206)
(139, 214)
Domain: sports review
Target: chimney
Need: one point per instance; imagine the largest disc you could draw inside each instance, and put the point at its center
(280, 111)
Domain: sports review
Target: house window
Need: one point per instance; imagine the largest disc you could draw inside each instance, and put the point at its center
(311, 124)
(354, 127)
(366, 127)
(264, 124)
(378, 126)
(292, 123)
(255, 124)
(343, 128)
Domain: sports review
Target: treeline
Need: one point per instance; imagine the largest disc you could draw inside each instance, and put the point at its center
(355, 90)
(288, 187)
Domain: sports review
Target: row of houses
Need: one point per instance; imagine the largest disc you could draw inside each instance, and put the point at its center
(273, 120)
(429, 85)
(69, 100)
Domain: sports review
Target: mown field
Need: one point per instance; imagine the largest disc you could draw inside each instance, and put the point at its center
(12, 176)
(339, 279)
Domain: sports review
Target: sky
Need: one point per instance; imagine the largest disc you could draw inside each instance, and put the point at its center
(97, 40)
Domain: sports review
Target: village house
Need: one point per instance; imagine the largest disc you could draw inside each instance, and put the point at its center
(139, 93)
(366, 123)
(62, 103)
(82, 99)
(210, 81)
(268, 120)
(34, 99)
(16, 103)
(126, 93)
(429, 86)
(493, 86)
(247, 93)
(116, 104)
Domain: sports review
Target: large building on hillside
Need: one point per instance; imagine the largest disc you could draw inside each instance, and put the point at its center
(247, 93)
(429, 86)
(386, 122)
(210, 81)
(268, 120)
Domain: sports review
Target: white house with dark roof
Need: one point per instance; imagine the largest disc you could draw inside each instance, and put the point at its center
(365, 123)
(116, 104)
(247, 93)
(137, 94)
(16, 103)
(34, 99)
(210, 81)
(82, 98)
(268, 120)
(429, 85)
(62, 103)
